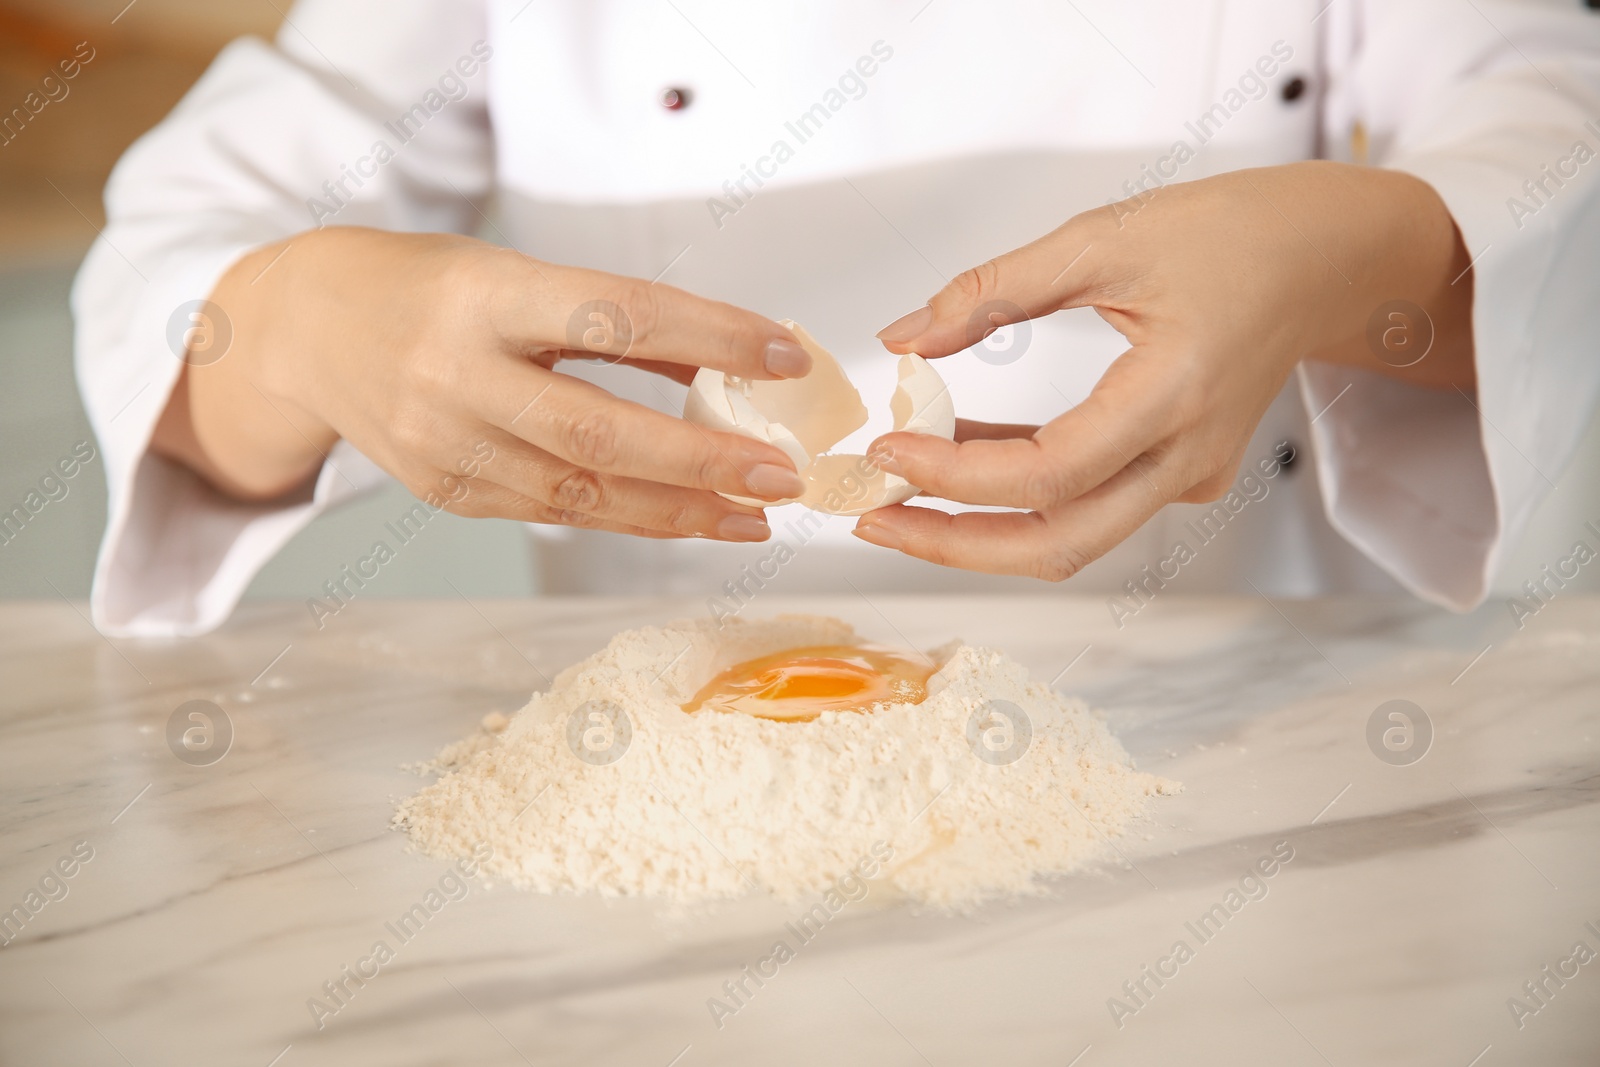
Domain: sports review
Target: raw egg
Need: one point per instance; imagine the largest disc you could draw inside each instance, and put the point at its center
(798, 684)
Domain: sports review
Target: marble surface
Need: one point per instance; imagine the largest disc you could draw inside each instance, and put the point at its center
(219, 899)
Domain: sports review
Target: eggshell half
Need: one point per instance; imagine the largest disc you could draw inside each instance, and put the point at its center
(807, 416)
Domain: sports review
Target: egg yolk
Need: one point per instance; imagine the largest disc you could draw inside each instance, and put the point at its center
(799, 684)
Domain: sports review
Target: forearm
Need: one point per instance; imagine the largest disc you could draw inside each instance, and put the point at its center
(1385, 237)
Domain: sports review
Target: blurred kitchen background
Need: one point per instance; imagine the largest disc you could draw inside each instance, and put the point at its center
(147, 54)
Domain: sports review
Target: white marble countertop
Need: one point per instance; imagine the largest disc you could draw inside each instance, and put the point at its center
(217, 899)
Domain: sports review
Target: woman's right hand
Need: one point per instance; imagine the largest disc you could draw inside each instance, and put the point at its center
(429, 352)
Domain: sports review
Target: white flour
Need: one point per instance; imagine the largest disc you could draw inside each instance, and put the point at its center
(603, 785)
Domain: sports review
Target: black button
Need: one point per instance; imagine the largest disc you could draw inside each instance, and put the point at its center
(1287, 461)
(675, 99)
(1293, 89)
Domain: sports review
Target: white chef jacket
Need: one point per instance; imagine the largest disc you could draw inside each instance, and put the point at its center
(923, 139)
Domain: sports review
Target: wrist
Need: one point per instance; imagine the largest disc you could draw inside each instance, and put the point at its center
(1396, 295)
(252, 436)
(301, 295)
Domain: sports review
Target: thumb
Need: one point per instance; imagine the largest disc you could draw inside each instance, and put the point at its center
(1034, 280)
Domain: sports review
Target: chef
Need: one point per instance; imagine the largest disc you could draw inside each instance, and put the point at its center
(1295, 295)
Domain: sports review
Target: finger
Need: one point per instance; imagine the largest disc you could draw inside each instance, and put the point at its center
(1065, 458)
(588, 427)
(481, 499)
(540, 476)
(973, 430)
(615, 317)
(1053, 547)
(1044, 276)
(678, 372)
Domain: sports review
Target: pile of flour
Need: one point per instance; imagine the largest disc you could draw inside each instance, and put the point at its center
(604, 785)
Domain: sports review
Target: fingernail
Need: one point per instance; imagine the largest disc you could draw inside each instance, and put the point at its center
(773, 482)
(743, 528)
(875, 534)
(907, 326)
(787, 359)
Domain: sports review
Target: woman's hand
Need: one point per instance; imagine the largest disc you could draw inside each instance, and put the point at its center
(1220, 286)
(434, 356)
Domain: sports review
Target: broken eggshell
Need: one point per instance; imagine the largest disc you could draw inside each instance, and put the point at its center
(805, 417)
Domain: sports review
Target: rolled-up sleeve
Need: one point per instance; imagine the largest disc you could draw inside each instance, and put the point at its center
(1497, 106)
(361, 113)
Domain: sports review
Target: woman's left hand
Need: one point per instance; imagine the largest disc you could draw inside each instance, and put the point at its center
(1220, 286)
